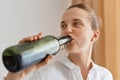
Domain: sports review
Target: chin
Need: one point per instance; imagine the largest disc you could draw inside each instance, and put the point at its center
(70, 48)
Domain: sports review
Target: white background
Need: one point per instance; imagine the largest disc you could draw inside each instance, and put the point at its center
(21, 18)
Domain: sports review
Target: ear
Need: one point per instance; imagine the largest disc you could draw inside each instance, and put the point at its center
(95, 35)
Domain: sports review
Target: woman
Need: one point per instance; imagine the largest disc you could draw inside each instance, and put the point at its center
(80, 22)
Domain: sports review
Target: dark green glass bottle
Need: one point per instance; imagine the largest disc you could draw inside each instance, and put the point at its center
(20, 56)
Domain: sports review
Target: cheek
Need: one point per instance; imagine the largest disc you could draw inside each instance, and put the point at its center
(62, 32)
(86, 33)
(83, 37)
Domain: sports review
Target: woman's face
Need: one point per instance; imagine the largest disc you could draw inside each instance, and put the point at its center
(76, 23)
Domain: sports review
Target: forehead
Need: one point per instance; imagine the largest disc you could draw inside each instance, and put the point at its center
(75, 13)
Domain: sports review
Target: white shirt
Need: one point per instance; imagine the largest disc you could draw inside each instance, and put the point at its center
(64, 69)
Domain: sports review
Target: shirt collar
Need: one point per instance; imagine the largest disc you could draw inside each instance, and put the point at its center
(65, 61)
(71, 65)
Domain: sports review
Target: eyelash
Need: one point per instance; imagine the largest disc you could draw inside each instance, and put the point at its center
(74, 24)
(63, 26)
(77, 24)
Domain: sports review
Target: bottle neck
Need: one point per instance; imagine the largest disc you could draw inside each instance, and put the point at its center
(64, 40)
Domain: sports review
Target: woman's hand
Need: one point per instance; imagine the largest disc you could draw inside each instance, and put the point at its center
(20, 75)
(31, 38)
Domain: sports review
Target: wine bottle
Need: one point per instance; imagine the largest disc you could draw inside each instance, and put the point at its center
(23, 55)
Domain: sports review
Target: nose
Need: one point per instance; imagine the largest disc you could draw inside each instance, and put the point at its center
(69, 29)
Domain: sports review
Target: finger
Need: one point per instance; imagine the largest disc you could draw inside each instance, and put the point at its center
(35, 37)
(39, 35)
(27, 39)
(31, 38)
(48, 58)
(34, 67)
(30, 69)
(45, 62)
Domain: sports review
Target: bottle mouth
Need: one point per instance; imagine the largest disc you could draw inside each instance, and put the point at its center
(65, 39)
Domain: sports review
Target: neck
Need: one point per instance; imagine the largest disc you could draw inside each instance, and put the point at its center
(84, 63)
(83, 60)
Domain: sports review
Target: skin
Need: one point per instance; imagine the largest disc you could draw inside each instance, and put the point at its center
(75, 22)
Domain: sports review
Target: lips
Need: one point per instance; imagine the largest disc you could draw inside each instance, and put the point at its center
(71, 37)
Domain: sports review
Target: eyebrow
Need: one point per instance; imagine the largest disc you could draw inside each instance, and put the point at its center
(77, 20)
(62, 22)
(72, 20)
